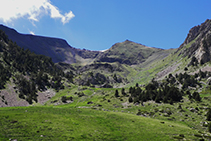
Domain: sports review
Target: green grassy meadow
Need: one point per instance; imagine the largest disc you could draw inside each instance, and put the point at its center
(55, 123)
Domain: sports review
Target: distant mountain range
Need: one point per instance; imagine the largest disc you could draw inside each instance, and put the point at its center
(196, 47)
(59, 50)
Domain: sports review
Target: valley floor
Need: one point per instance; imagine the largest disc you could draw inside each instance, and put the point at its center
(96, 114)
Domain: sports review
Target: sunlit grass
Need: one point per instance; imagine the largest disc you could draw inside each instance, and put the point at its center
(52, 123)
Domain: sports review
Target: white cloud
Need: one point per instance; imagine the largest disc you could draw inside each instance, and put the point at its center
(67, 17)
(31, 9)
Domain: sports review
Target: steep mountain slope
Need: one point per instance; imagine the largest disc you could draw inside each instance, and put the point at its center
(58, 49)
(198, 43)
(25, 76)
(192, 56)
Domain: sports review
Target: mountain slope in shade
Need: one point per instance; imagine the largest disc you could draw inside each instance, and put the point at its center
(58, 49)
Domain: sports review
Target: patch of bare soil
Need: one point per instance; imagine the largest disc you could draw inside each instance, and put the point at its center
(125, 104)
(9, 98)
(206, 68)
(45, 96)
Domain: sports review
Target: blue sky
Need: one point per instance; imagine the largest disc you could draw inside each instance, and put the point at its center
(98, 24)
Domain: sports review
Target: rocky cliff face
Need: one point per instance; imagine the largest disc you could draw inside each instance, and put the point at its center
(198, 43)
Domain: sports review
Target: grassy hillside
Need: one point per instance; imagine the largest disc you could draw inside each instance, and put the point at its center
(189, 113)
(148, 69)
(54, 123)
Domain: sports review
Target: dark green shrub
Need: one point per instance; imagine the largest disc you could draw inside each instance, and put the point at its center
(64, 99)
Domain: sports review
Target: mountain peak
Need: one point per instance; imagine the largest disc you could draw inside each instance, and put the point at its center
(198, 30)
(129, 41)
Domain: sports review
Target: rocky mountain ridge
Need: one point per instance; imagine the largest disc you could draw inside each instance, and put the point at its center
(198, 43)
(59, 50)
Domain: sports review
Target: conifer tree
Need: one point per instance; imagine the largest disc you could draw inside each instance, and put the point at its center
(116, 93)
(123, 91)
(130, 99)
(209, 115)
